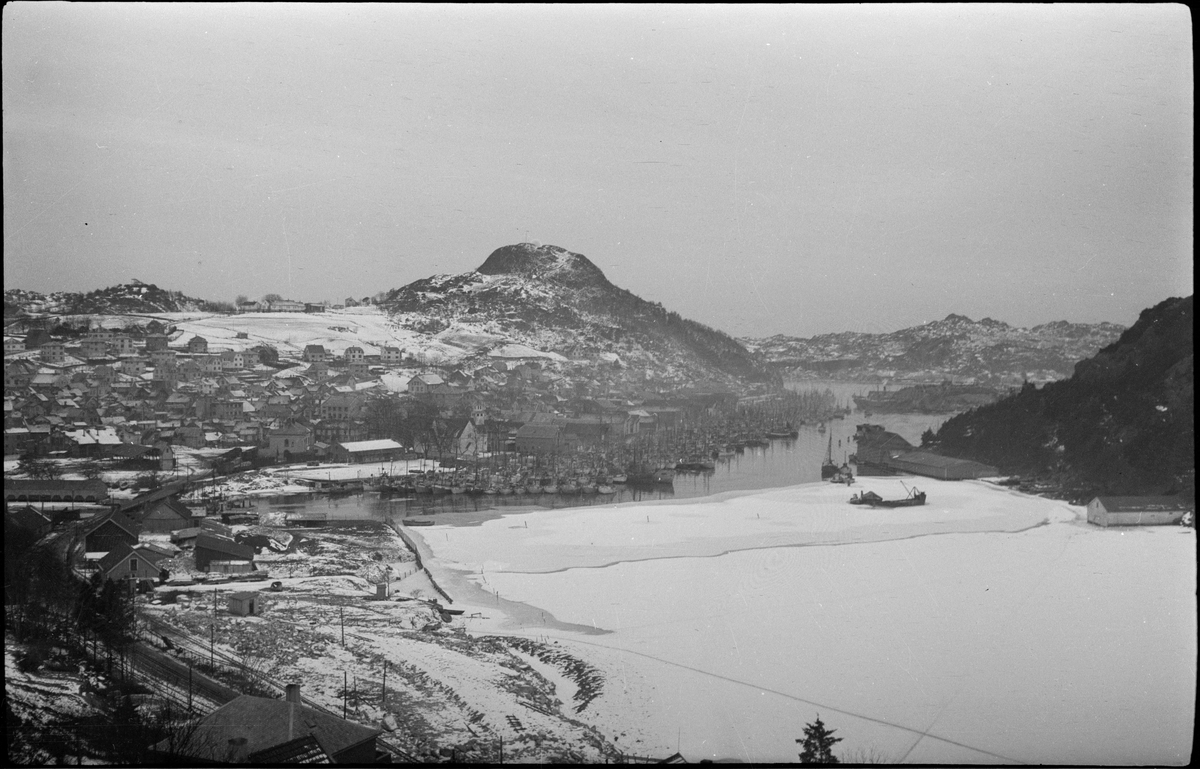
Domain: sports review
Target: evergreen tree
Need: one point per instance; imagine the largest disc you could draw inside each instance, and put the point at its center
(818, 744)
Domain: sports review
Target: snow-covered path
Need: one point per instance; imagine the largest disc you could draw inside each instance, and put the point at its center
(988, 626)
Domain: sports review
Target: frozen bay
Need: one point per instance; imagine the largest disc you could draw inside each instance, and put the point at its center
(987, 626)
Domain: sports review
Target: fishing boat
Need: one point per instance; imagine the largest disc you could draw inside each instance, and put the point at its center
(828, 468)
(786, 432)
(865, 498)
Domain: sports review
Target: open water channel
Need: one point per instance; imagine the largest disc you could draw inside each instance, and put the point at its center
(785, 462)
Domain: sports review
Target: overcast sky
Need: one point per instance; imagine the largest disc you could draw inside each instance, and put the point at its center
(777, 169)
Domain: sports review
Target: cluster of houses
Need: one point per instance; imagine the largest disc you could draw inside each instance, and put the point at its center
(125, 541)
(120, 544)
(123, 394)
(276, 304)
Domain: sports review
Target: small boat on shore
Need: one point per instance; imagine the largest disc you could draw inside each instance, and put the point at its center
(843, 475)
(915, 498)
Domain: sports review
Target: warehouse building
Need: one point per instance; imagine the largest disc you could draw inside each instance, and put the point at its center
(1136, 511)
(358, 452)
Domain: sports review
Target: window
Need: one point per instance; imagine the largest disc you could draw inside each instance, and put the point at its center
(133, 563)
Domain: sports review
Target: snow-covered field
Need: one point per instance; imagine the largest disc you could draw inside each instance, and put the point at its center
(987, 626)
(365, 327)
(290, 332)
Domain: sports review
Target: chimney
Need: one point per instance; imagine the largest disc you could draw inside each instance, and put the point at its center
(293, 693)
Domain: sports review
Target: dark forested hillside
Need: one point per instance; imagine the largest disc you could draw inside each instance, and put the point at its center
(1122, 424)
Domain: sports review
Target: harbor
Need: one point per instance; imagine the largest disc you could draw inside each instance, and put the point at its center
(391, 491)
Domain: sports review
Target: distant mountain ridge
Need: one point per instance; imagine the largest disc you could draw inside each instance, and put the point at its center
(133, 297)
(1124, 423)
(552, 299)
(955, 347)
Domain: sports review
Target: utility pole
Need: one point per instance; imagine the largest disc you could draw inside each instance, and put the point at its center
(342, 613)
(345, 691)
(383, 698)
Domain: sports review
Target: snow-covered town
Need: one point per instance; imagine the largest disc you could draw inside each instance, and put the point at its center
(533, 633)
(415, 383)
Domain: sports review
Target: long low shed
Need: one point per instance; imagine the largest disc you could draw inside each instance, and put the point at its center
(936, 466)
(1136, 511)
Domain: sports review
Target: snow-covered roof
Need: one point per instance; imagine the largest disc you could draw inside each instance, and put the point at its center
(376, 445)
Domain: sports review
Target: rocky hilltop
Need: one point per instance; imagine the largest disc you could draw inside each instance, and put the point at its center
(551, 299)
(987, 351)
(1122, 424)
(133, 297)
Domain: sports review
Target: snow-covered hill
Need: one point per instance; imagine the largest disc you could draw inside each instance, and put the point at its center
(956, 346)
(525, 301)
(126, 297)
(553, 300)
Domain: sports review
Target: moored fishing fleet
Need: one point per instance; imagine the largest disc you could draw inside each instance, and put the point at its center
(645, 461)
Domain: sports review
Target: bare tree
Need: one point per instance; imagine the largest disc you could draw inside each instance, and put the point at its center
(92, 469)
(39, 469)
